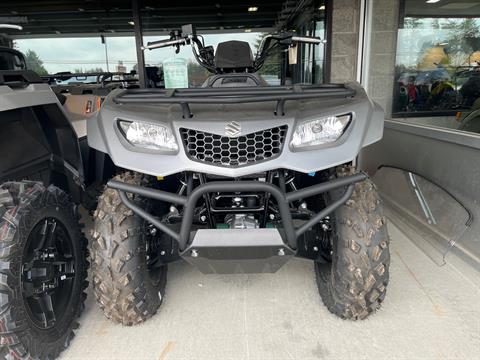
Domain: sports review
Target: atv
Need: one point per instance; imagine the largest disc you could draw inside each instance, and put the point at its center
(237, 176)
(43, 252)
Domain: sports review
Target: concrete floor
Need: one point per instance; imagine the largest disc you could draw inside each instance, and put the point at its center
(430, 312)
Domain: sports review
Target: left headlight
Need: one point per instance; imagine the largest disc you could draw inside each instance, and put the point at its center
(320, 131)
(148, 136)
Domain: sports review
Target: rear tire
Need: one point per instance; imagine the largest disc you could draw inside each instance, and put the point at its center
(124, 288)
(43, 270)
(354, 284)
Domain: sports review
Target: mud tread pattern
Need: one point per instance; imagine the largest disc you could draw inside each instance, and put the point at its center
(355, 284)
(121, 282)
(18, 201)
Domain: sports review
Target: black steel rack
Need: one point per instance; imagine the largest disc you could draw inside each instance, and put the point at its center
(239, 95)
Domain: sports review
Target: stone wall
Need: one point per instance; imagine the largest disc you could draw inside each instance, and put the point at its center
(382, 48)
(344, 40)
(383, 45)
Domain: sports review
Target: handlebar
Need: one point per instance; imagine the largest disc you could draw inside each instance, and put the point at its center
(164, 43)
(205, 54)
(307, 39)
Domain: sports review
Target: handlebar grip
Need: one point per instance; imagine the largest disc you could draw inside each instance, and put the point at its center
(307, 39)
(164, 43)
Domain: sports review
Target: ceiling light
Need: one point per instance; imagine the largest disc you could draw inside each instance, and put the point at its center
(11, 26)
(131, 23)
(252, 9)
(432, 1)
(321, 7)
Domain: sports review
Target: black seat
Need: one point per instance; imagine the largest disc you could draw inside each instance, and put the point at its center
(233, 54)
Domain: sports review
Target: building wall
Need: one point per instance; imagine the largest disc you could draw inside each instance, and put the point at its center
(381, 52)
(381, 39)
(344, 40)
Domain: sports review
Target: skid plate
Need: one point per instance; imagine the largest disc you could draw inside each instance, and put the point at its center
(232, 251)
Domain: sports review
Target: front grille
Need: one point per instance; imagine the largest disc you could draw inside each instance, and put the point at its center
(234, 151)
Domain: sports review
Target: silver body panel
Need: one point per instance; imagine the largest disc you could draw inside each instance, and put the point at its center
(38, 94)
(365, 128)
(31, 95)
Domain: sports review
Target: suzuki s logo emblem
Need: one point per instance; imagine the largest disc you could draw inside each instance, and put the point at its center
(233, 129)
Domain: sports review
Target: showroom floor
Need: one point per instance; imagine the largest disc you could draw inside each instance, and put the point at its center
(430, 312)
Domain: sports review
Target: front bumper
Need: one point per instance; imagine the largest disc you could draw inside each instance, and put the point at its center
(366, 128)
(288, 232)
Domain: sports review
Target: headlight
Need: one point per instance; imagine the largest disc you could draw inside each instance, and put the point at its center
(148, 136)
(318, 132)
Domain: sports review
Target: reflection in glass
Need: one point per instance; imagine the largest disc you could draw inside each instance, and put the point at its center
(470, 122)
(438, 60)
(424, 209)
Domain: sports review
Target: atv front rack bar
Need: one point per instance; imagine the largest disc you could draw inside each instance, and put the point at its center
(280, 94)
(283, 200)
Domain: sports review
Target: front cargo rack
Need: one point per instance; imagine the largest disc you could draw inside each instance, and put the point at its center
(239, 95)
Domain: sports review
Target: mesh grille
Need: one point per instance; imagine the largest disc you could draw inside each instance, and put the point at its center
(234, 151)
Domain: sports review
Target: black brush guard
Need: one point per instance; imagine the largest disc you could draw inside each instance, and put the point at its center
(290, 234)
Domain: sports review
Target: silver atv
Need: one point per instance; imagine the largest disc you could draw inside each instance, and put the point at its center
(237, 176)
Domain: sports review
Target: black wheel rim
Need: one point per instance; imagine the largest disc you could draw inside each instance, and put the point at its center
(48, 272)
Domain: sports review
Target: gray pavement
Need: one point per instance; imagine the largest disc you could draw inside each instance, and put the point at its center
(430, 312)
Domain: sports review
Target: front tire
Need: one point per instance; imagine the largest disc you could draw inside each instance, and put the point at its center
(354, 284)
(43, 270)
(127, 292)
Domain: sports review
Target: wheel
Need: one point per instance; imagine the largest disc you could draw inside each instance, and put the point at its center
(43, 270)
(354, 283)
(128, 287)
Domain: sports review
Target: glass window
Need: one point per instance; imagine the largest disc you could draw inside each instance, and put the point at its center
(310, 58)
(424, 209)
(196, 73)
(438, 58)
(78, 54)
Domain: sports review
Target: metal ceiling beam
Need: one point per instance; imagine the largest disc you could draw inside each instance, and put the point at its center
(82, 16)
(142, 75)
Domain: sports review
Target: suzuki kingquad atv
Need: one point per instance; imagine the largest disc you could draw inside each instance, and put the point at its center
(237, 176)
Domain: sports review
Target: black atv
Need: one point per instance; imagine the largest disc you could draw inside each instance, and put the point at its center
(43, 252)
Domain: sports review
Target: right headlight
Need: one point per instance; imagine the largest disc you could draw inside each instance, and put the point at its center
(320, 131)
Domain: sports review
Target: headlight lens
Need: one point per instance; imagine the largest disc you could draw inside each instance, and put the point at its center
(148, 136)
(321, 131)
